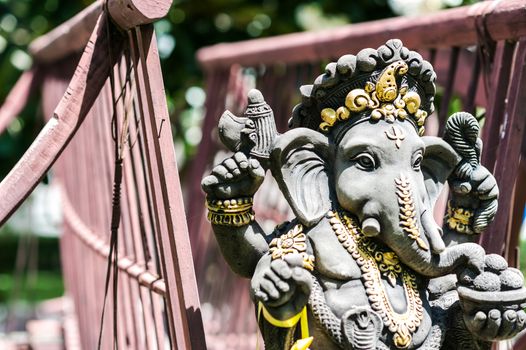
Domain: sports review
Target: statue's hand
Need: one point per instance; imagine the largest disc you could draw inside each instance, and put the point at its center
(479, 191)
(495, 325)
(237, 176)
(280, 282)
(492, 301)
(480, 184)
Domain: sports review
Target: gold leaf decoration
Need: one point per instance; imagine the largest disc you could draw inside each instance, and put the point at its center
(386, 88)
(358, 100)
(407, 210)
(385, 100)
(459, 219)
(292, 242)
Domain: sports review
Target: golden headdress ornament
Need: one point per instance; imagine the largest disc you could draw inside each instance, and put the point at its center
(389, 83)
(384, 99)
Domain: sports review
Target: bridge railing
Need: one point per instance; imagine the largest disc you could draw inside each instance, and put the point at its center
(108, 143)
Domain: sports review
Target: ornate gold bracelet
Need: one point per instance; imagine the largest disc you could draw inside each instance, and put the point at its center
(459, 219)
(292, 242)
(230, 212)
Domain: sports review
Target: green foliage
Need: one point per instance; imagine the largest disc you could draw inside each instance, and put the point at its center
(37, 284)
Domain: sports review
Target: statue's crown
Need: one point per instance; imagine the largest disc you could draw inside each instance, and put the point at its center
(389, 83)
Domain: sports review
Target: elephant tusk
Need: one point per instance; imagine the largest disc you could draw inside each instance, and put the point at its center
(370, 227)
(433, 232)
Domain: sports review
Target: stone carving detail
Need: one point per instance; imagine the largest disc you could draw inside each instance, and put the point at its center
(407, 210)
(364, 265)
(396, 134)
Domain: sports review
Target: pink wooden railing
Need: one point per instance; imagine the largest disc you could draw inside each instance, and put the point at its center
(113, 96)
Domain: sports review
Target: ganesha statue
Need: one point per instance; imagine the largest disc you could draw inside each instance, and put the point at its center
(363, 264)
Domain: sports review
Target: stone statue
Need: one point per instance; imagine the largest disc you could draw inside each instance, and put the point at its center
(363, 265)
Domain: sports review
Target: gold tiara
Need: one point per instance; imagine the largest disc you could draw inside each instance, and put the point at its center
(384, 99)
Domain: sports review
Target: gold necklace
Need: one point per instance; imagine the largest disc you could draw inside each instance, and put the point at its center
(375, 262)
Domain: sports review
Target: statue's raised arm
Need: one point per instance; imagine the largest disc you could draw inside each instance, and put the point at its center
(231, 186)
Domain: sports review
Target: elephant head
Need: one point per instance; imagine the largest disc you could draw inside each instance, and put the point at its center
(356, 146)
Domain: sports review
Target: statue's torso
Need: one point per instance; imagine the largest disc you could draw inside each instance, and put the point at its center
(340, 278)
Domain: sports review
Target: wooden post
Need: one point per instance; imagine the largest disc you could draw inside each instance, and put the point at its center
(131, 13)
(72, 35)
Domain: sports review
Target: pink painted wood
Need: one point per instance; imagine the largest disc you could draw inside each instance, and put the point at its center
(509, 151)
(18, 97)
(87, 81)
(172, 231)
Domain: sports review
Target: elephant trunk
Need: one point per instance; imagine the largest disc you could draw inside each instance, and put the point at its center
(466, 255)
(418, 241)
(371, 227)
(432, 232)
(430, 263)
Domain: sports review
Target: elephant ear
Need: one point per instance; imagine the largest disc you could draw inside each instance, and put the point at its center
(298, 163)
(440, 159)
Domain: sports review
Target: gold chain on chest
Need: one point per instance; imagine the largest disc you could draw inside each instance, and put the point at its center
(374, 263)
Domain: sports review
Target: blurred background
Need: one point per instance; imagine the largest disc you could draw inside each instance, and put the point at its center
(29, 256)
